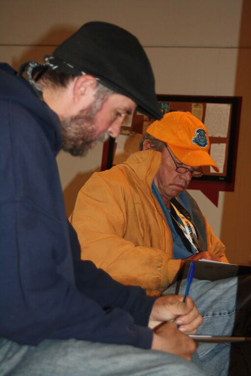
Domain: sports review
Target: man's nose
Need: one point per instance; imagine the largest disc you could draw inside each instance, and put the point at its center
(187, 176)
(114, 129)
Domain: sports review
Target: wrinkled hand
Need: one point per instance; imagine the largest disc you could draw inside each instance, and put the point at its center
(172, 308)
(202, 255)
(168, 338)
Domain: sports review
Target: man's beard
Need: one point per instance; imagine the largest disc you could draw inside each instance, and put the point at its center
(78, 132)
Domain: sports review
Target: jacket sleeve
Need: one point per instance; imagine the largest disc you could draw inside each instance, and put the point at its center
(100, 218)
(99, 286)
(43, 293)
(39, 300)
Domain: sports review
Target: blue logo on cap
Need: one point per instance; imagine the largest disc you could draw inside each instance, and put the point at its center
(200, 138)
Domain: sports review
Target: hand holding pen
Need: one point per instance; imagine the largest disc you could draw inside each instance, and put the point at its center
(178, 309)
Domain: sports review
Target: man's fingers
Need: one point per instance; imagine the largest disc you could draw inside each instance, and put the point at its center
(192, 326)
(191, 320)
(169, 307)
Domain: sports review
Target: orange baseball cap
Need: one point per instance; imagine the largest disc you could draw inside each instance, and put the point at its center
(186, 136)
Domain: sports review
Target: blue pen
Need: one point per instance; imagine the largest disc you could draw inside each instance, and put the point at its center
(189, 281)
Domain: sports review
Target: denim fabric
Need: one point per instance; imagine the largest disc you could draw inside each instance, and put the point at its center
(75, 358)
(216, 302)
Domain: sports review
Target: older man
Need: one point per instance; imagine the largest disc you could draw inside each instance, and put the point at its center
(138, 222)
(60, 315)
(142, 223)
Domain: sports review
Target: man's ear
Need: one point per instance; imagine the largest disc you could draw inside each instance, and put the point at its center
(147, 144)
(84, 86)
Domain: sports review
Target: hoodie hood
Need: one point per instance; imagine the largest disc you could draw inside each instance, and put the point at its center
(17, 89)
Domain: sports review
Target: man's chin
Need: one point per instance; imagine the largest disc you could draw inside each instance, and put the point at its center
(81, 152)
(77, 152)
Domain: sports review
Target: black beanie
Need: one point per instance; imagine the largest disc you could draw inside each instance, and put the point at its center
(114, 56)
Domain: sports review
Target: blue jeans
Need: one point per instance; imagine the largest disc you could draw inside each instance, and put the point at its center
(75, 358)
(216, 302)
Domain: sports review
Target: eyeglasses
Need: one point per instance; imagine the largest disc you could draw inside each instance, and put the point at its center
(183, 170)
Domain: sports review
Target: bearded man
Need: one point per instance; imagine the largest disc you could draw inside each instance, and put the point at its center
(60, 315)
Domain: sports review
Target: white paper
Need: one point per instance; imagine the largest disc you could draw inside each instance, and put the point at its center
(217, 119)
(218, 153)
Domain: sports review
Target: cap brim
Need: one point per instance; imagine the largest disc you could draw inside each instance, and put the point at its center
(193, 158)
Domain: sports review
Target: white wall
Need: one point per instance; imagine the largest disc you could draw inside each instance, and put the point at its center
(196, 47)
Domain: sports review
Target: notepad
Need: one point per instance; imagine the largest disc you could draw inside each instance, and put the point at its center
(212, 270)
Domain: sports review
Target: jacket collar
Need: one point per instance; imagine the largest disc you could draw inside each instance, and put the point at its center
(145, 164)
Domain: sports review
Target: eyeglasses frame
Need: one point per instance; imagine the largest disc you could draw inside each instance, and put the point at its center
(195, 173)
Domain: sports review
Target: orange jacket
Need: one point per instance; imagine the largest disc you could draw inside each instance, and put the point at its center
(122, 228)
